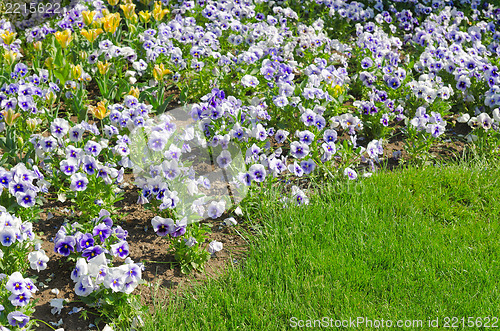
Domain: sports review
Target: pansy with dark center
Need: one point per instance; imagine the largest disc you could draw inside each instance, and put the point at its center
(92, 252)
(102, 230)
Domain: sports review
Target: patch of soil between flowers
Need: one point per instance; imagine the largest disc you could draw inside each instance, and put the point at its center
(145, 246)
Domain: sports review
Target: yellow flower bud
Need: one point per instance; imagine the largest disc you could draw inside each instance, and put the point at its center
(32, 124)
(83, 55)
(144, 16)
(76, 71)
(103, 67)
(63, 38)
(37, 45)
(8, 37)
(51, 98)
(10, 57)
(49, 63)
(113, 2)
(99, 111)
(88, 17)
(10, 117)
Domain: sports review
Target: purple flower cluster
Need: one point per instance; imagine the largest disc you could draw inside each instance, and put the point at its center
(453, 53)
(433, 123)
(27, 92)
(103, 238)
(23, 184)
(81, 148)
(13, 230)
(93, 275)
(167, 226)
(21, 289)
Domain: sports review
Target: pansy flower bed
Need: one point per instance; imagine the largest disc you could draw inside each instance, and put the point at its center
(132, 132)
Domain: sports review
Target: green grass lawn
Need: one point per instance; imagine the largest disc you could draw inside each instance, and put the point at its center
(405, 245)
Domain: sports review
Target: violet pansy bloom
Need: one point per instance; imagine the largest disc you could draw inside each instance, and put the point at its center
(79, 182)
(92, 252)
(162, 226)
(65, 245)
(120, 249)
(17, 319)
(102, 230)
(180, 228)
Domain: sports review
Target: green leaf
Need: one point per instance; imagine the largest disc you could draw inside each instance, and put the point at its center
(60, 75)
(59, 60)
(184, 94)
(163, 107)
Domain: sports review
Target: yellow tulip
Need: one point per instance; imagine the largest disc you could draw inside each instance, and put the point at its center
(10, 117)
(91, 34)
(87, 34)
(158, 12)
(97, 32)
(99, 111)
(88, 17)
(10, 57)
(103, 67)
(134, 91)
(111, 22)
(63, 38)
(8, 37)
(144, 16)
(128, 10)
(159, 72)
(113, 2)
(37, 45)
(76, 71)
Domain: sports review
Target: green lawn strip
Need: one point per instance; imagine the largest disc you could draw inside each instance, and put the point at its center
(409, 244)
